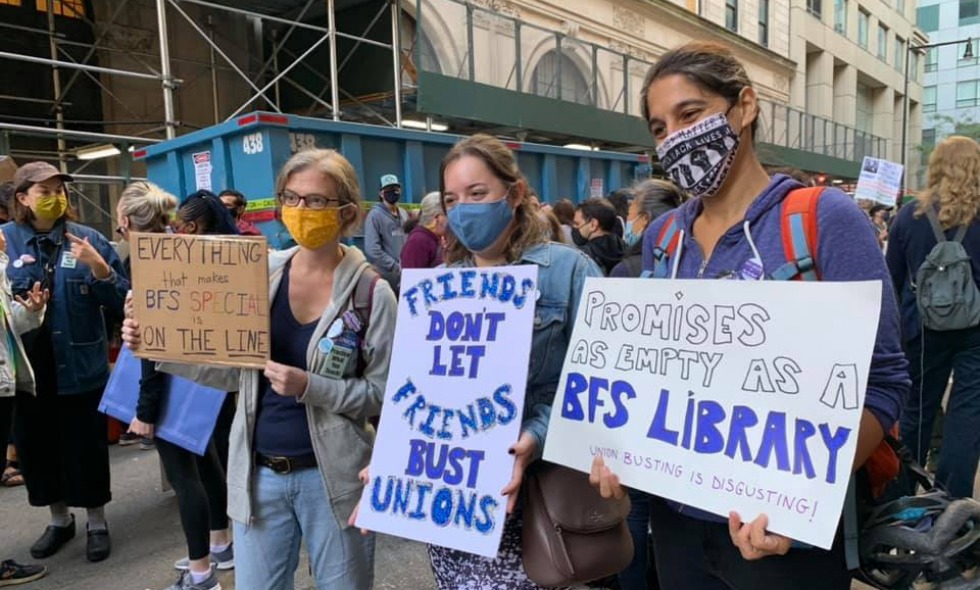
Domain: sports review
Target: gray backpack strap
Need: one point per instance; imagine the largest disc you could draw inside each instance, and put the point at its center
(363, 297)
(960, 234)
(937, 230)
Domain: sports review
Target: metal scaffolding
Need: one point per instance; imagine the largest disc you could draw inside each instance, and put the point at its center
(61, 61)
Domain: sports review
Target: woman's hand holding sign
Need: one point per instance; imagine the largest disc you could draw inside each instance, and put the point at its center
(522, 450)
(365, 477)
(752, 539)
(285, 380)
(603, 478)
(131, 333)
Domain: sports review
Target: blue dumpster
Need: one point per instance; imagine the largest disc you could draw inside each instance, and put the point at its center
(246, 154)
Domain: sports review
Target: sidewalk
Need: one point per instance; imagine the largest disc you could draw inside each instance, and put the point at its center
(147, 539)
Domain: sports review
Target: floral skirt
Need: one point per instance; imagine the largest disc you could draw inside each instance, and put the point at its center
(457, 570)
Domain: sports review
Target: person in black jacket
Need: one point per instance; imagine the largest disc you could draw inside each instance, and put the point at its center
(595, 233)
(199, 482)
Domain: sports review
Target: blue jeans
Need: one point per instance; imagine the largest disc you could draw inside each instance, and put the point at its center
(945, 352)
(640, 574)
(289, 509)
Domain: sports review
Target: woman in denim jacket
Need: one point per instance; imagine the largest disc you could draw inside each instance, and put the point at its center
(60, 433)
(485, 198)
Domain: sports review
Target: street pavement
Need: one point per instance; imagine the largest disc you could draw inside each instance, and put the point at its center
(147, 539)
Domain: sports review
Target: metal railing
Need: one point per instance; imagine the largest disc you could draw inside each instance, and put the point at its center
(785, 126)
(473, 41)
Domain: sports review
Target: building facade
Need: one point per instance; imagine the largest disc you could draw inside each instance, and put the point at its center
(951, 93)
(851, 61)
(830, 72)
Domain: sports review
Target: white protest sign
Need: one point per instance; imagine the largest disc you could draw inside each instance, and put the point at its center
(452, 407)
(736, 395)
(880, 181)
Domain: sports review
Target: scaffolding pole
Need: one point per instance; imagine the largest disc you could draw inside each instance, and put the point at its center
(231, 62)
(396, 59)
(59, 113)
(334, 76)
(278, 77)
(169, 83)
(214, 74)
(75, 66)
(169, 117)
(73, 134)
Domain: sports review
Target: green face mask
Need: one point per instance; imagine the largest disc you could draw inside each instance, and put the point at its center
(51, 207)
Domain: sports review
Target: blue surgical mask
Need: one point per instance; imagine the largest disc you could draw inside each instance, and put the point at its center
(478, 225)
(628, 236)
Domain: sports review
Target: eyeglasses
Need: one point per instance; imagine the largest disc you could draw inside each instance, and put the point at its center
(315, 202)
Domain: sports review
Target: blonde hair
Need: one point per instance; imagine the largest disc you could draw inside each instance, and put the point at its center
(429, 208)
(331, 164)
(952, 182)
(147, 206)
(529, 229)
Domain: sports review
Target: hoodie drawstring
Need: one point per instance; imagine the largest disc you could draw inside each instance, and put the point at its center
(746, 227)
(755, 251)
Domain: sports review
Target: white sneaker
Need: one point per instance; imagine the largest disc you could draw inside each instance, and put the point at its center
(222, 561)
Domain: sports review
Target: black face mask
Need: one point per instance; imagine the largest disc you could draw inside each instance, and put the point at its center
(391, 196)
(578, 238)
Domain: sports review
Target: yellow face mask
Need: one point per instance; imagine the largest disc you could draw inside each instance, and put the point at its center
(51, 207)
(312, 228)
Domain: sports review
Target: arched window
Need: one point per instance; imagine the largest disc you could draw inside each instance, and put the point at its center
(414, 43)
(545, 79)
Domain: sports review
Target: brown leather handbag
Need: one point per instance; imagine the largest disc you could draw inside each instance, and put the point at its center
(571, 534)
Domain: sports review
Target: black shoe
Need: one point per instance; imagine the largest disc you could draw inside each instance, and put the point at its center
(13, 573)
(99, 545)
(53, 539)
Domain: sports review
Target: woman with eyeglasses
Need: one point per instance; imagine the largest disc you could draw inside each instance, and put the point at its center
(62, 438)
(300, 437)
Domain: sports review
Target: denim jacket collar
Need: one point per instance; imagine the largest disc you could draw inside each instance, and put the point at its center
(539, 254)
(31, 235)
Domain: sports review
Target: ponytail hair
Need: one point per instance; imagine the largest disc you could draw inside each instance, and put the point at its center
(148, 207)
(206, 209)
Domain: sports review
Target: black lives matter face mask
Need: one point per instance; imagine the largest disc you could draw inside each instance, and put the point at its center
(699, 158)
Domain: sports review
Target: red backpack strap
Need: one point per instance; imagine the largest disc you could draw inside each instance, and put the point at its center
(799, 228)
(667, 241)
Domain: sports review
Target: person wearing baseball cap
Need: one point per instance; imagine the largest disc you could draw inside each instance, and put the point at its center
(384, 233)
(60, 433)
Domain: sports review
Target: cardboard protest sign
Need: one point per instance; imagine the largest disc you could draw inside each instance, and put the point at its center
(735, 395)
(202, 299)
(880, 181)
(453, 407)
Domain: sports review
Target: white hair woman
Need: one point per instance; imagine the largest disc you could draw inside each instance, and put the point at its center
(422, 249)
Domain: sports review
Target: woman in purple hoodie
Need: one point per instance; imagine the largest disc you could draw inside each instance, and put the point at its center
(698, 98)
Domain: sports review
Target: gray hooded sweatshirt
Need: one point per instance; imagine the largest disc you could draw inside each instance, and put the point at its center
(336, 409)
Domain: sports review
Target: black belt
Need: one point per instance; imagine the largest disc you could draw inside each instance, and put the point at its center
(284, 465)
